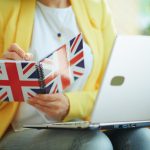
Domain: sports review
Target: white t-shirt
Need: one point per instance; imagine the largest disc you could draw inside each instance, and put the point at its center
(47, 23)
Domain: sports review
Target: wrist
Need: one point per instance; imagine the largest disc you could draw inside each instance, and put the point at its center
(67, 107)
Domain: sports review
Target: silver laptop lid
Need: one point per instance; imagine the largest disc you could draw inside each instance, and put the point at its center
(125, 92)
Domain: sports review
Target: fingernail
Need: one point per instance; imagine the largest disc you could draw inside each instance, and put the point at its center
(26, 57)
(30, 100)
(37, 96)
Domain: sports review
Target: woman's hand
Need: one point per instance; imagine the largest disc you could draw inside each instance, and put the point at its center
(55, 106)
(15, 52)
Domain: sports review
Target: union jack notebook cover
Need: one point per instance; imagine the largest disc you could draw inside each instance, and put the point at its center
(20, 80)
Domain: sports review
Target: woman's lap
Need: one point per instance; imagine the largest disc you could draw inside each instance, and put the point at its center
(55, 140)
(130, 139)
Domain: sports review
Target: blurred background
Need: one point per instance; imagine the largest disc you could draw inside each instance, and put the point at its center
(131, 16)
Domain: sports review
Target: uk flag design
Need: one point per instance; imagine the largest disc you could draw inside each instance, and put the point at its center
(68, 64)
(76, 57)
(21, 80)
(18, 81)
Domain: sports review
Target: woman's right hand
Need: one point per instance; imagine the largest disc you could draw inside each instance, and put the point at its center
(15, 52)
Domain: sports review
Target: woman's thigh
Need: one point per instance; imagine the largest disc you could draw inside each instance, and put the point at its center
(55, 140)
(130, 139)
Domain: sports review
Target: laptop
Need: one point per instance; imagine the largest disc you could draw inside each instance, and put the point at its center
(123, 100)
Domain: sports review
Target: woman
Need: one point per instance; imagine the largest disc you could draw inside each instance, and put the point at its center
(35, 26)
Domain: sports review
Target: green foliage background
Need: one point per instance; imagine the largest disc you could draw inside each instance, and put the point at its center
(145, 14)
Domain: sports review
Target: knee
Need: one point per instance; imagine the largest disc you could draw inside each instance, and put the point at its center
(141, 136)
(95, 141)
(132, 139)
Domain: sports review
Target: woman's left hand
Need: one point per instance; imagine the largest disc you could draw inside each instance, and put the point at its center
(55, 106)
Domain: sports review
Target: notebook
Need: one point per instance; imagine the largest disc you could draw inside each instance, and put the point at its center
(20, 80)
(123, 99)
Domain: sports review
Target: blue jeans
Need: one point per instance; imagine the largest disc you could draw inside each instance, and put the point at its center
(33, 139)
(133, 139)
(130, 139)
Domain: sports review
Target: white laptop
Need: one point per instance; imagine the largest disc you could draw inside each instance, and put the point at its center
(123, 101)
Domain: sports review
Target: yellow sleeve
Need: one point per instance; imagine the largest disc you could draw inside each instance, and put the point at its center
(81, 103)
(1, 44)
(4, 11)
(108, 30)
(1, 31)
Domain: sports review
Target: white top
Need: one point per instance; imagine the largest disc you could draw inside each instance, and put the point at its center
(47, 23)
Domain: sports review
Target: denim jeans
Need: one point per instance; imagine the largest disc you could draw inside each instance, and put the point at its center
(32, 139)
(130, 139)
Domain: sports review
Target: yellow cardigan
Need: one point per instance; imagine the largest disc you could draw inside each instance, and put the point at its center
(94, 20)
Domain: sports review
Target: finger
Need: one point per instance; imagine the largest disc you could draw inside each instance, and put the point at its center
(47, 97)
(51, 113)
(56, 110)
(16, 48)
(28, 57)
(12, 56)
(51, 105)
(47, 61)
(46, 103)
